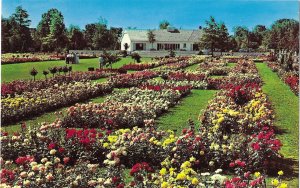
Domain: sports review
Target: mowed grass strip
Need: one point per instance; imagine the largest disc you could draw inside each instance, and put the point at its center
(189, 108)
(194, 67)
(286, 107)
(21, 71)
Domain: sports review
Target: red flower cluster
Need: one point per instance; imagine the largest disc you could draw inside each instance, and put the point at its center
(293, 82)
(138, 67)
(241, 94)
(85, 137)
(138, 167)
(238, 163)
(266, 139)
(24, 160)
(7, 175)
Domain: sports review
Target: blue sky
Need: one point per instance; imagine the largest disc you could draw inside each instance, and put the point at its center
(146, 14)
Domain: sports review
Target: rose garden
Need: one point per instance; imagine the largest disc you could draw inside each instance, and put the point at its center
(120, 139)
(98, 106)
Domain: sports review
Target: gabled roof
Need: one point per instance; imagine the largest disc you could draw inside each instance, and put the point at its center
(163, 35)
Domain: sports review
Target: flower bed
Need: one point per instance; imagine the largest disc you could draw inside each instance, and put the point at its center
(26, 57)
(180, 76)
(29, 104)
(125, 109)
(20, 86)
(163, 61)
(53, 157)
(172, 83)
(30, 57)
(131, 80)
(138, 67)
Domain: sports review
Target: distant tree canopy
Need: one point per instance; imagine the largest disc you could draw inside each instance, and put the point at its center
(164, 24)
(215, 35)
(52, 35)
(16, 35)
(283, 34)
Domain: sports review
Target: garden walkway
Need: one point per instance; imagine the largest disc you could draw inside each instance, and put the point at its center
(189, 107)
(286, 106)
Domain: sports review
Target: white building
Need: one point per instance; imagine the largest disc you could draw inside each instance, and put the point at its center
(165, 39)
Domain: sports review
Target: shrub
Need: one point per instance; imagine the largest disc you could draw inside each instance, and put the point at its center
(136, 57)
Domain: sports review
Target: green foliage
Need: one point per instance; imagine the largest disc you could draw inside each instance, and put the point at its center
(136, 57)
(284, 34)
(33, 73)
(76, 38)
(242, 35)
(164, 24)
(16, 35)
(52, 31)
(172, 53)
(98, 37)
(214, 36)
(126, 46)
(151, 37)
(109, 58)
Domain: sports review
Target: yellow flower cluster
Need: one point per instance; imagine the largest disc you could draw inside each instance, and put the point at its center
(169, 176)
(112, 138)
(169, 140)
(16, 102)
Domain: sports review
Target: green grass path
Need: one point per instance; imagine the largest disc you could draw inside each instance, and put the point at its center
(286, 107)
(189, 107)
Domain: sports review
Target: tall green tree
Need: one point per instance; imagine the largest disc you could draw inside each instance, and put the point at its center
(242, 37)
(210, 37)
(6, 35)
(89, 32)
(283, 35)
(16, 35)
(151, 37)
(223, 37)
(164, 24)
(76, 39)
(259, 31)
(116, 33)
(52, 31)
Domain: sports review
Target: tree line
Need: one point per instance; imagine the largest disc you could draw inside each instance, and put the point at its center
(51, 34)
(282, 35)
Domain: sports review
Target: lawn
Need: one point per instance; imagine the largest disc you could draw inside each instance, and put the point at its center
(12, 72)
(192, 67)
(286, 107)
(189, 107)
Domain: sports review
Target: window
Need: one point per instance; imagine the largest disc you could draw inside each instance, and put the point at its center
(184, 45)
